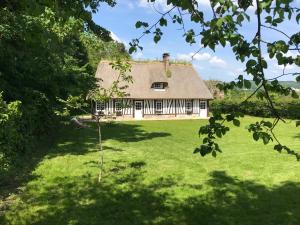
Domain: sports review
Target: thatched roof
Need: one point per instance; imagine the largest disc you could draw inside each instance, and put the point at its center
(184, 82)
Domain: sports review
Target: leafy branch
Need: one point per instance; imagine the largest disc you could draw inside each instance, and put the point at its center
(223, 28)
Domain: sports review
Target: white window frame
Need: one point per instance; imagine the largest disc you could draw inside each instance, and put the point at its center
(201, 104)
(189, 106)
(139, 104)
(118, 106)
(158, 110)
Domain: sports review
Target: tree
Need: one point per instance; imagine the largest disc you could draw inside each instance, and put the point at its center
(100, 95)
(223, 27)
(46, 54)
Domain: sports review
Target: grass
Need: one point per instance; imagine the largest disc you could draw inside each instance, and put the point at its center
(152, 177)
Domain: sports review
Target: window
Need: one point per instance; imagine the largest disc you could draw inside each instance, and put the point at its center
(100, 106)
(118, 106)
(158, 107)
(202, 104)
(189, 106)
(138, 105)
(159, 86)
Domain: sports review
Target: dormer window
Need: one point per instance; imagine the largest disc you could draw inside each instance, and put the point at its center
(159, 86)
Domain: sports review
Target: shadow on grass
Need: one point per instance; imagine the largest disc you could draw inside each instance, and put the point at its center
(125, 199)
(297, 136)
(128, 132)
(71, 141)
(78, 142)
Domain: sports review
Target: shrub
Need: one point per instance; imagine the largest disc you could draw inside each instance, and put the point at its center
(12, 141)
(286, 108)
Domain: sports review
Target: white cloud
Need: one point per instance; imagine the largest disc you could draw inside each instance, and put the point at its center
(202, 56)
(160, 5)
(130, 5)
(218, 62)
(213, 60)
(204, 2)
(115, 37)
(118, 39)
(192, 56)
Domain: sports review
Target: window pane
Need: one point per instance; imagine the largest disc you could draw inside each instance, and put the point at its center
(188, 105)
(158, 106)
(158, 85)
(202, 105)
(118, 106)
(100, 106)
(138, 105)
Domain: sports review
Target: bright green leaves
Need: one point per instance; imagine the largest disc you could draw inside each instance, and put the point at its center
(261, 131)
(189, 36)
(215, 129)
(279, 148)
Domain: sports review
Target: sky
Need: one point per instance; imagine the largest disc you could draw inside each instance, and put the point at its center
(220, 65)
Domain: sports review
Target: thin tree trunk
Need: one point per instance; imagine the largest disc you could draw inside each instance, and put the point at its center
(101, 161)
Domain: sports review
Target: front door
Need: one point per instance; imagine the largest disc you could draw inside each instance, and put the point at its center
(203, 109)
(138, 110)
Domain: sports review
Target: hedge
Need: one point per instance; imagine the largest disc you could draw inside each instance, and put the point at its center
(286, 109)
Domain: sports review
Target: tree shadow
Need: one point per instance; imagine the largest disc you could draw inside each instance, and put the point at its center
(128, 132)
(130, 201)
(297, 136)
(79, 142)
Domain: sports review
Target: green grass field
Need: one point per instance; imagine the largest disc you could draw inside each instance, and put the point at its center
(152, 177)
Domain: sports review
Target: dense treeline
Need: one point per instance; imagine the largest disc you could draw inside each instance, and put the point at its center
(287, 107)
(48, 50)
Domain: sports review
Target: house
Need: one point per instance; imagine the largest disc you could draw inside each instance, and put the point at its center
(160, 89)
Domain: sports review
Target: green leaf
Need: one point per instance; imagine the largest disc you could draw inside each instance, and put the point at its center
(138, 24)
(220, 22)
(251, 63)
(297, 123)
(214, 154)
(255, 136)
(298, 18)
(294, 94)
(240, 18)
(236, 122)
(278, 147)
(163, 22)
(266, 139)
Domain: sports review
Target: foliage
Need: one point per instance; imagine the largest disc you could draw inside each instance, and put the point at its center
(224, 26)
(250, 184)
(46, 55)
(98, 49)
(286, 108)
(12, 140)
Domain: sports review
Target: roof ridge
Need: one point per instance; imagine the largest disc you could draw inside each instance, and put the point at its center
(150, 62)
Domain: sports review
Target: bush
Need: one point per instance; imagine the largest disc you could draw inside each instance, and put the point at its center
(287, 109)
(12, 141)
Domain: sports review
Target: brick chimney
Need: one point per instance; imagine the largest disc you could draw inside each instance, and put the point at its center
(166, 61)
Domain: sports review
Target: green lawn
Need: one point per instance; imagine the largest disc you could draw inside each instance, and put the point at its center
(152, 177)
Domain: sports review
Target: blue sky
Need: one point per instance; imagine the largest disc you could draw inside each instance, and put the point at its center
(221, 64)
